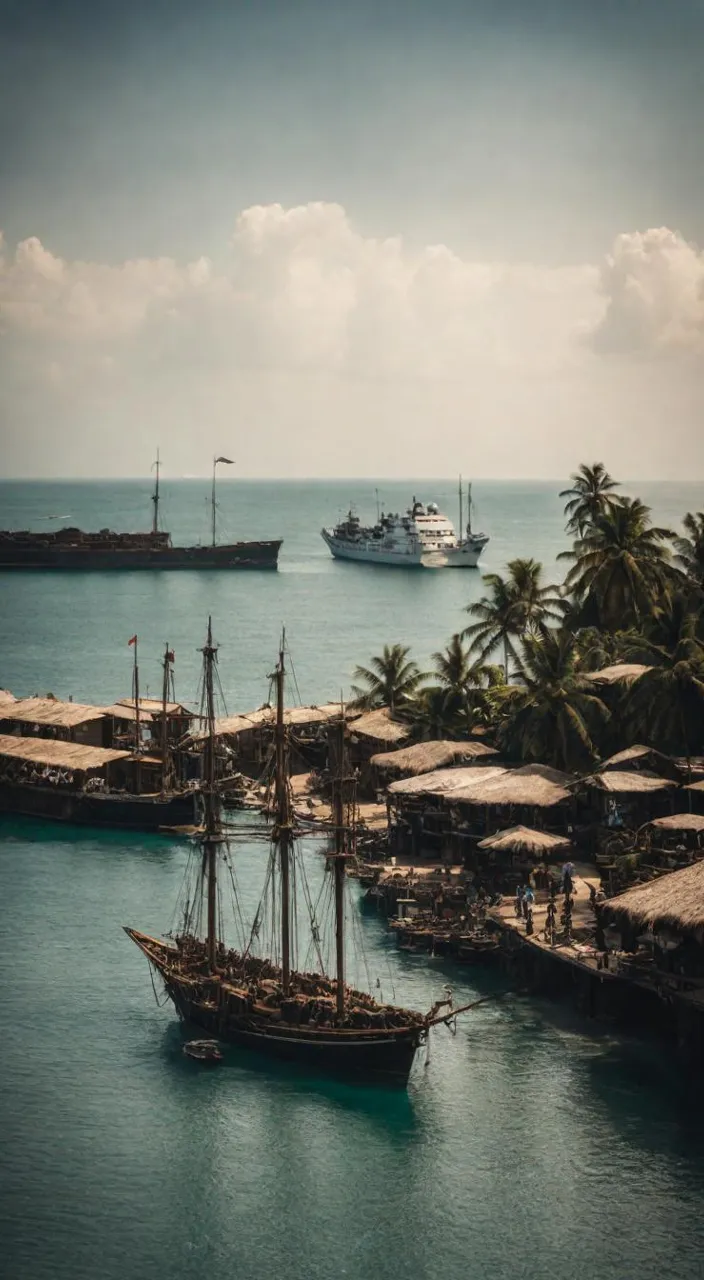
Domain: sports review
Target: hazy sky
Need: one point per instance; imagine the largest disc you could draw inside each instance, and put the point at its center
(394, 238)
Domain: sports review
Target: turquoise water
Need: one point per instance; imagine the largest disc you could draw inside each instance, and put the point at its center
(530, 1145)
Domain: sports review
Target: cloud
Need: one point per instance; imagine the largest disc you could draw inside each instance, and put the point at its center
(302, 289)
(654, 283)
(336, 352)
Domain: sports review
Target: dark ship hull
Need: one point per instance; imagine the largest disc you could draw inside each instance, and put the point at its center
(121, 554)
(96, 809)
(375, 1055)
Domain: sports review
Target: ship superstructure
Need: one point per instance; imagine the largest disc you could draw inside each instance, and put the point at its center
(421, 537)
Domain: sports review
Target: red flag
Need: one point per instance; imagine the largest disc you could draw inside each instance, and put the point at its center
(171, 656)
(132, 641)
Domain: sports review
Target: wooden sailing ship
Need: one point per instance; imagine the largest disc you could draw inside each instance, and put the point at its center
(264, 1003)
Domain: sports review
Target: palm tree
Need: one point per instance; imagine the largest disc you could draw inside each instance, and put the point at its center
(514, 606)
(596, 648)
(390, 681)
(589, 497)
(666, 703)
(555, 718)
(690, 548)
(462, 698)
(620, 567)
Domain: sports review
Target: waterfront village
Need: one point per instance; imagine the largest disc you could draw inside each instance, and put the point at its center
(543, 813)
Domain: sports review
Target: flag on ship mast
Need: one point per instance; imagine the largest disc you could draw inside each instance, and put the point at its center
(229, 461)
(132, 641)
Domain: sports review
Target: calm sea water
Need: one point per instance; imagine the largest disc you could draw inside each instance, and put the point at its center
(529, 1145)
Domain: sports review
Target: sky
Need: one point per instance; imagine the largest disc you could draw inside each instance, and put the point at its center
(325, 238)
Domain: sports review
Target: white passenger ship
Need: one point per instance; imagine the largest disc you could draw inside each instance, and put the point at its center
(422, 538)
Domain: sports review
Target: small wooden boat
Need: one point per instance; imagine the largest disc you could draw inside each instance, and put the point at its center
(203, 1050)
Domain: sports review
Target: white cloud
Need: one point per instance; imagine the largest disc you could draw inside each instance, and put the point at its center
(349, 353)
(302, 289)
(654, 283)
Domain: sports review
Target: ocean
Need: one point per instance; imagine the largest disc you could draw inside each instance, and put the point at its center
(531, 1143)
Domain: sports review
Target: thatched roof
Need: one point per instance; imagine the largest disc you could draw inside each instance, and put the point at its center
(442, 781)
(629, 783)
(675, 900)
(695, 786)
(379, 726)
(297, 717)
(121, 712)
(679, 822)
(642, 757)
(154, 706)
(619, 673)
(59, 755)
(425, 757)
(532, 785)
(524, 840)
(6, 696)
(51, 711)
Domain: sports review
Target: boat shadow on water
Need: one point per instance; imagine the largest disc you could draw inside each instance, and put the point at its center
(242, 1070)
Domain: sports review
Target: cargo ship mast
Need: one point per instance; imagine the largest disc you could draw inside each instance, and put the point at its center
(155, 496)
(230, 463)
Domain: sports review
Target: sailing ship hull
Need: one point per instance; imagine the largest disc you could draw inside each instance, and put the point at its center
(377, 1056)
(364, 1058)
(237, 555)
(118, 810)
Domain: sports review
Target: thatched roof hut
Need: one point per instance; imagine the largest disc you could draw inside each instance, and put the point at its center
(56, 754)
(679, 822)
(51, 712)
(265, 718)
(531, 786)
(379, 726)
(538, 844)
(621, 673)
(675, 901)
(441, 782)
(640, 757)
(626, 783)
(426, 757)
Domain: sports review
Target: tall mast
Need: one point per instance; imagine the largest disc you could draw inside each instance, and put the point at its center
(137, 721)
(165, 688)
(155, 496)
(339, 856)
(212, 826)
(469, 510)
(460, 492)
(283, 824)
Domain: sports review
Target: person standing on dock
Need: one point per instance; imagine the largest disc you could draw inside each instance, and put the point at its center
(528, 902)
(567, 877)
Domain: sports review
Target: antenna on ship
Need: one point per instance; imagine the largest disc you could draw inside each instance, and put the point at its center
(378, 509)
(230, 462)
(469, 510)
(283, 833)
(211, 832)
(460, 493)
(155, 495)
